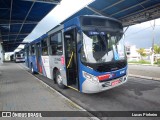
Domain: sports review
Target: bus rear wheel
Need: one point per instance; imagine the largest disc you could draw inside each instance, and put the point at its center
(59, 80)
(32, 70)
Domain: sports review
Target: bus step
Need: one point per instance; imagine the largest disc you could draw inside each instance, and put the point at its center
(72, 77)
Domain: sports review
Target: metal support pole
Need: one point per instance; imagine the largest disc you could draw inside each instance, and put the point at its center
(153, 34)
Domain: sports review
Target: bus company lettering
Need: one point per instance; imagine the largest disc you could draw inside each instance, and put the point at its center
(57, 59)
(122, 72)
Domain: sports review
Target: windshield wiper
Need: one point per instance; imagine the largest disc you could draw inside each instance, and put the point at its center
(104, 40)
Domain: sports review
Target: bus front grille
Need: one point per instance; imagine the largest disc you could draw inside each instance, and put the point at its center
(110, 66)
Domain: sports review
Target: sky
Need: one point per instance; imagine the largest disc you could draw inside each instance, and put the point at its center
(140, 35)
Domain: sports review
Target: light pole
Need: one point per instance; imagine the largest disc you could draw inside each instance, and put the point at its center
(153, 33)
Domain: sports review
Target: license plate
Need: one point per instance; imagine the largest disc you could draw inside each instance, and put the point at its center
(115, 82)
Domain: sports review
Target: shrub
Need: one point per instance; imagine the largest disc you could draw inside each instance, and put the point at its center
(144, 62)
(158, 61)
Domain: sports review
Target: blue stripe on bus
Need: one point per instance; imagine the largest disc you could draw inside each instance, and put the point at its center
(34, 63)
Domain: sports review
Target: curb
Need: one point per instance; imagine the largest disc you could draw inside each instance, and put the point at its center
(143, 64)
(145, 77)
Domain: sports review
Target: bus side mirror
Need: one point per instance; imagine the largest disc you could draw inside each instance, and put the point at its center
(79, 37)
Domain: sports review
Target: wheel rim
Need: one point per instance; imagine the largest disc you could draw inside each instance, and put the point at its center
(59, 79)
(32, 69)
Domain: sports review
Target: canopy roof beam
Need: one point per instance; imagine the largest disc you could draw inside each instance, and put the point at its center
(116, 3)
(4, 8)
(10, 17)
(16, 43)
(143, 16)
(139, 11)
(44, 1)
(25, 20)
(12, 39)
(96, 11)
(18, 23)
(14, 34)
(129, 7)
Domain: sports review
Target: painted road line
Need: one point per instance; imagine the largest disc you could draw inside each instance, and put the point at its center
(145, 77)
(143, 64)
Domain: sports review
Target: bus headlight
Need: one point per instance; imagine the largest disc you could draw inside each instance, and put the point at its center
(89, 76)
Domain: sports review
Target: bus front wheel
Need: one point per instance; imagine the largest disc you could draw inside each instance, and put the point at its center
(59, 80)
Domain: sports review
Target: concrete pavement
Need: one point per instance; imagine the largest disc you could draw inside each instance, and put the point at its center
(146, 72)
(135, 95)
(21, 91)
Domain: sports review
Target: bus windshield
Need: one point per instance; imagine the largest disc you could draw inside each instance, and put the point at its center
(102, 47)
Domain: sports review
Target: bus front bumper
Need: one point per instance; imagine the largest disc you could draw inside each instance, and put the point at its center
(20, 60)
(89, 86)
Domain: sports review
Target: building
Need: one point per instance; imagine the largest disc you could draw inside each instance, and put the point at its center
(133, 55)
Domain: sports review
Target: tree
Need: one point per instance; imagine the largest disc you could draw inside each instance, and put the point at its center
(142, 52)
(156, 49)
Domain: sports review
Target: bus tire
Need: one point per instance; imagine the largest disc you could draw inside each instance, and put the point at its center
(32, 70)
(59, 80)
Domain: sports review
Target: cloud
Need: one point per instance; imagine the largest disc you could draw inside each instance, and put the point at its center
(142, 34)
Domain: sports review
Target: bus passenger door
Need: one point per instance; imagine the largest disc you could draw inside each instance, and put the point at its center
(38, 57)
(70, 43)
(27, 56)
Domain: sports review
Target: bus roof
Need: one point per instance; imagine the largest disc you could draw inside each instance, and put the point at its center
(36, 40)
(72, 22)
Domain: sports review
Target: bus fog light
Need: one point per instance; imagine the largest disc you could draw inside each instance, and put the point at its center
(89, 76)
(122, 78)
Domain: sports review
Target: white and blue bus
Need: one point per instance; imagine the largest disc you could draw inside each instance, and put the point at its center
(19, 57)
(86, 53)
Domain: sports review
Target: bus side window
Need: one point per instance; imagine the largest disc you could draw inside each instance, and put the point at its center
(56, 47)
(44, 47)
(33, 49)
(30, 53)
(69, 44)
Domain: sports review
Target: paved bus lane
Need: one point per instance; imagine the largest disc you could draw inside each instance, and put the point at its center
(19, 90)
(135, 95)
(23, 95)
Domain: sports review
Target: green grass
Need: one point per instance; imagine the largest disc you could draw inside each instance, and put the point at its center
(140, 62)
(158, 62)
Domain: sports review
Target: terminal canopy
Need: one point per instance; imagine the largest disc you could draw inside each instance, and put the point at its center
(129, 12)
(19, 17)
